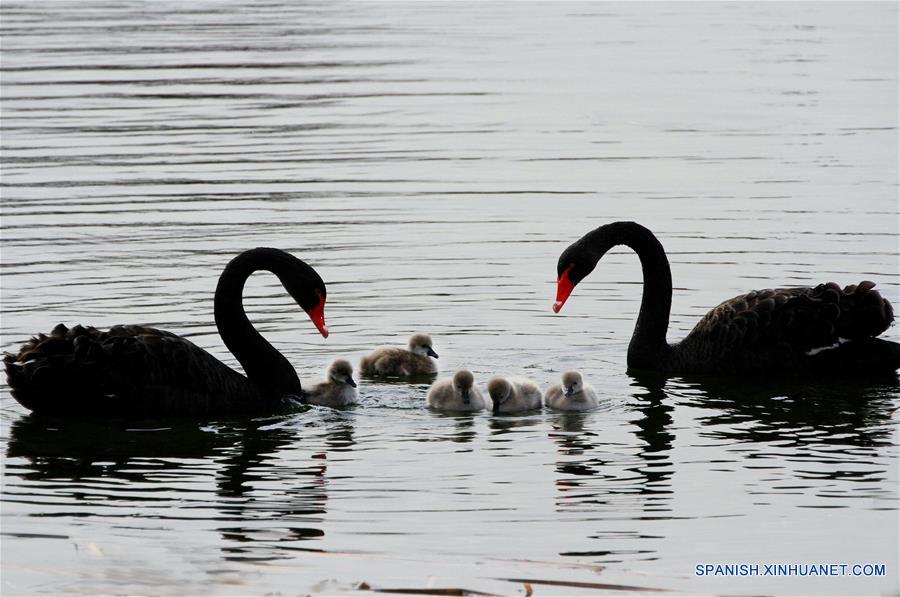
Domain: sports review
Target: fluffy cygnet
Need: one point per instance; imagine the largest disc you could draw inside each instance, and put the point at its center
(513, 394)
(458, 394)
(338, 390)
(397, 360)
(571, 394)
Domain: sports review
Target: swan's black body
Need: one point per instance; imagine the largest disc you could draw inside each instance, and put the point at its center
(136, 370)
(785, 330)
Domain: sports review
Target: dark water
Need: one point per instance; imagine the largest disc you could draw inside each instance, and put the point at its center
(431, 161)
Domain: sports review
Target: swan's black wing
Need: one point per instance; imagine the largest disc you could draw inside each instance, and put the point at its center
(127, 369)
(787, 324)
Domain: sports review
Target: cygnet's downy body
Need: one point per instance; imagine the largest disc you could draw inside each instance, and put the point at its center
(513, 395)
(571, 394)
(456, 394)
(336, 391)
(414, 359)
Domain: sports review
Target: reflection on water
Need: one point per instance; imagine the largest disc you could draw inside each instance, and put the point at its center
(431, 162)
(272, 488)
(847, 412)
(654, 427)
(109, 462)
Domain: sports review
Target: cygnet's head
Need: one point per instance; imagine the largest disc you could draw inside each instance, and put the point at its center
(499, 388)
(463, 381)
(420, 344)
(341, 371)
(572, 382)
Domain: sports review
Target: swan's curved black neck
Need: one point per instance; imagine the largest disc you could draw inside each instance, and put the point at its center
(267, 368)
(648, 348)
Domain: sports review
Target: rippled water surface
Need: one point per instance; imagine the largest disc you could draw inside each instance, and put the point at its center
(431, 161)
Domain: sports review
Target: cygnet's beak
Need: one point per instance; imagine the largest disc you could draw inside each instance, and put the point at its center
(466, 399)
(351, 382)
(564, 287)
(431, 352)
(570, 390)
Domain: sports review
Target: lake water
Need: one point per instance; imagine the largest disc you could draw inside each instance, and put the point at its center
(431, 161)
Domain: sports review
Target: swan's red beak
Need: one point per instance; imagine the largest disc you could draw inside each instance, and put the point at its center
(317, 314)
(564, 287)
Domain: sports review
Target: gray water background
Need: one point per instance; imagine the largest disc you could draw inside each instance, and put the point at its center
(431, 161)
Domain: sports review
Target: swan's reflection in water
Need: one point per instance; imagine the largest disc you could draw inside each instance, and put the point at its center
(654, 430)
(76, 449)
(263, 473)
(837, 411)
(649, 475)
(606, 479)
(587, 458)
(611, 485)
(825, 436)
(808, 439)
(295, 496)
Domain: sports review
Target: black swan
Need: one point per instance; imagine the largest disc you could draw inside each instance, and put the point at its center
(135, 370)
(787, 330)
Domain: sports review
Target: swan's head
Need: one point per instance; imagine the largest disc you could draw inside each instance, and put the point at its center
(420, 344)
(341, 371)
(308, 289)
(574, 265)
(301, 281)
(581, 257)
(463, 381)
(572, 382)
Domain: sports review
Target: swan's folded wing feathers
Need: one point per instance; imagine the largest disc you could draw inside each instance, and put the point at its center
(162, 368)
(125, 368)
(793, 318)
(147, 356)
